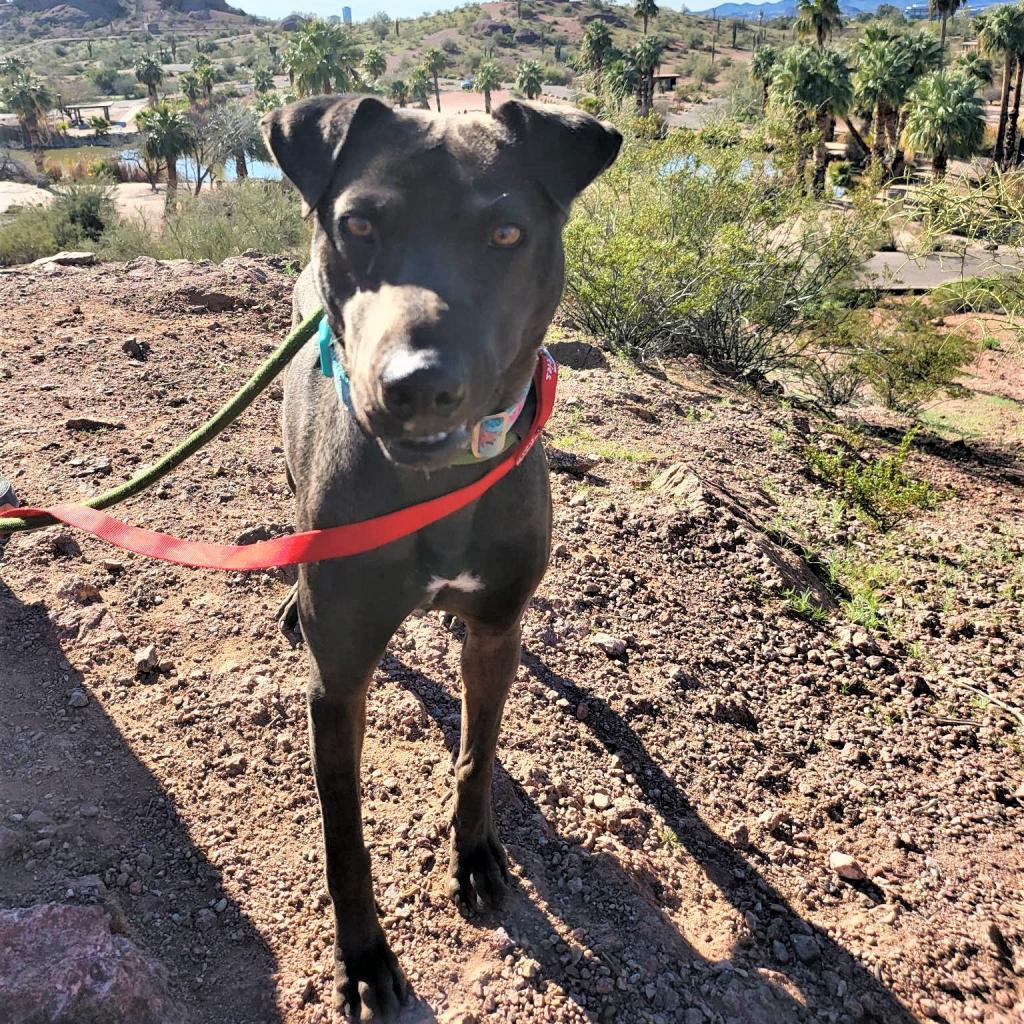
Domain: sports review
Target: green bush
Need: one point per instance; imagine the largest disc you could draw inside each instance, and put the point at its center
(912, 362)
(1003, 295)
(26, 234)
(880, 489)
(687, 248)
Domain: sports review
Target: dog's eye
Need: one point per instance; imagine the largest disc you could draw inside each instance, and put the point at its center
(506, 236)
(356, 226)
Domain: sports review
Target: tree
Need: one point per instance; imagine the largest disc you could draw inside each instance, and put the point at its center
(167, 137)
(530, 78)
(149, 72)
(595, 47)
(975, 66)
(238, 129)
(204, 74)
(190, 87)
(374, 63)
(488, 79)
(29, 100)
(398, 92)
(621, 78)
(1003, 34)
(762, 65)
(13, 67)
(816, 85)
(945, 9)
(419, 86)
(380, 25)
(435, 62)
(646, 10)
(881, 83)
(818, 18)
(946, 118)
(645, 57)
(322, 58)
(262, 80)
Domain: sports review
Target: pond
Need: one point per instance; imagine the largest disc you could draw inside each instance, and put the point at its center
(259, 169)
(688, 162)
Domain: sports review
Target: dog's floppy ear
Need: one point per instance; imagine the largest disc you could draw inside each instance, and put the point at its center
(307, 138)
(563, 149)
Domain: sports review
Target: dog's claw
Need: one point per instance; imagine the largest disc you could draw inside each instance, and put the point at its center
(478, 872)
(287, 615)
(370, 985)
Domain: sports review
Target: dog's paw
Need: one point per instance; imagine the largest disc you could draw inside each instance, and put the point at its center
(369, 984)
(477, 872)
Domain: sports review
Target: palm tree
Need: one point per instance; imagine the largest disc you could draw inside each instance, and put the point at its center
(190, 87)
(374, 63)
(1002, 34)
(645, 57)
(880, 85)
(205, 75)
(150, 74)
(237, 129)
(435, 62)
(168, 136)
(818, 87)
(946, 119)
(13, 67)
(530, 78)
(621, 78)
(398, 92)
(29, 100)
(945, 9)
(488, 79)
(645, 9)
(263, 80)
(818, 18)
(419, 86)
(761, 65)
(975, 66)
(322, 58)
(595, 47)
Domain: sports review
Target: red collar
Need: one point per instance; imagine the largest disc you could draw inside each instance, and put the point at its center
(313, 545)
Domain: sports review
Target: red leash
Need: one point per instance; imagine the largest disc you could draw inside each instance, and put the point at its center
(314, 545)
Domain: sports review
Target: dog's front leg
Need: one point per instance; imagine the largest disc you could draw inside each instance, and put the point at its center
(478, 868)
(367, 975)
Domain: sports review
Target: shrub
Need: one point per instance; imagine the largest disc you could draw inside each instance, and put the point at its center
(833, 379)
(913, 362)
(980, 295)
(878, 488)
(26, 234)
(81, 212)
(684, 248)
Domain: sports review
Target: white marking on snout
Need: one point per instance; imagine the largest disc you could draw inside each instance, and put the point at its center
(465, 581)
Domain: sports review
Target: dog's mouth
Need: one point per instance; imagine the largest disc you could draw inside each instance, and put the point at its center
(426, 451)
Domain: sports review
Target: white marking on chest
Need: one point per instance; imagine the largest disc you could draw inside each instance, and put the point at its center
(465, 581)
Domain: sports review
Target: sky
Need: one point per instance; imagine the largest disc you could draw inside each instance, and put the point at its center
(364, 8)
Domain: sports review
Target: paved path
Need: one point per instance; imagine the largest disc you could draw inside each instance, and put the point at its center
(899, 272)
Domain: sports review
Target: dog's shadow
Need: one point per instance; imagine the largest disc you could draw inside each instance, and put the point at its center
(609, 905)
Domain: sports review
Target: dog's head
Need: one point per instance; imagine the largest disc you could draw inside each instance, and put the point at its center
(437, 251)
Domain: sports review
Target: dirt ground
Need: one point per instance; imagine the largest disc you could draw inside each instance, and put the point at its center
(739, 813)
(133, 200)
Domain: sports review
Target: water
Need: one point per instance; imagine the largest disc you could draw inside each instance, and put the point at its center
(262, 170)
(688, 163)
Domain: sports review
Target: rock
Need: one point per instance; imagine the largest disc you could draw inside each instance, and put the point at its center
(578, 355)
(78, 698)
(739, 835)
(135, 349)
(79, 591)
(601, 801)
(63, 964)
(91, 423)
(66, 259)
(806, 948)
(145, 659)
(846, 867)
(235, 765)
(611, 645)
(205, 919)
(11, 843)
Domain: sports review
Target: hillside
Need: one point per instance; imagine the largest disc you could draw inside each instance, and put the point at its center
(671, 795)
(52, 17)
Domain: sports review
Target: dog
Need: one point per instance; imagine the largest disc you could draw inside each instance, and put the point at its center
(437, 257)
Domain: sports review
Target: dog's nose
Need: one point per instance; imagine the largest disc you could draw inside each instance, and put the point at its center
(420, 384)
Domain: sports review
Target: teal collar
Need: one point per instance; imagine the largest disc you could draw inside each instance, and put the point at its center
(489, 438)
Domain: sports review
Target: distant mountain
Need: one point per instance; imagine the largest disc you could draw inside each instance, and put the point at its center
(78, 14)
(787, 8)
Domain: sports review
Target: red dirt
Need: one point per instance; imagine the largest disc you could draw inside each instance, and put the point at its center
(669, 813)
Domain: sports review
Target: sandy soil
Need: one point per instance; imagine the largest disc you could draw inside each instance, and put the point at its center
(131, 199)
(671, 811)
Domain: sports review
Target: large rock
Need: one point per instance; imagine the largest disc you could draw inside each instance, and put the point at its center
(62, 964)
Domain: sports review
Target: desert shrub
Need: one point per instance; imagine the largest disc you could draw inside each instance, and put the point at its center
(26, 234)
(909, 362)
(728, 251)
(81, 212)
(834, 379)
(722, 133)
(879, 489)
(992, 210)
(698, 66)
(980, 295)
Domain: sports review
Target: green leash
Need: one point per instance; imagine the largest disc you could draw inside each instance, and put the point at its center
(224, 417)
